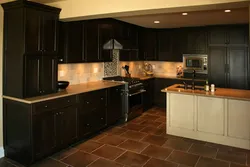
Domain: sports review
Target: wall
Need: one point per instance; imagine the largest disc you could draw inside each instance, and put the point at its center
(1, 81)
(160, 68)
(83, 8)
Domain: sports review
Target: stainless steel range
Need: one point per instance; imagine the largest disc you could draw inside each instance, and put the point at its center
(132, 94)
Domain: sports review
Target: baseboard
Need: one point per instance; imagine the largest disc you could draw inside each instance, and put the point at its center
(1, 152)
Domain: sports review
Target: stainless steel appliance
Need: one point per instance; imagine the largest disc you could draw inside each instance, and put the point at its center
(197, 62)
(132, 95)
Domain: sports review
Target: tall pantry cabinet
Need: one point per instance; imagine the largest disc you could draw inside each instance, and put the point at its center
(30, 49)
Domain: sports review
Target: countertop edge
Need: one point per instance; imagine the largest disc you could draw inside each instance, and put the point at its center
(205, 95)
(61, 96)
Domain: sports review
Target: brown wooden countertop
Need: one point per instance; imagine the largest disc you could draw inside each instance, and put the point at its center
(71, 90)
(220, 92)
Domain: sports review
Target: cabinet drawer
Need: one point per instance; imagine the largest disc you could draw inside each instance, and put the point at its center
(93, 99)
(55, 104)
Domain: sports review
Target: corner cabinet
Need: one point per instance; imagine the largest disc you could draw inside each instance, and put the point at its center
(30, 49)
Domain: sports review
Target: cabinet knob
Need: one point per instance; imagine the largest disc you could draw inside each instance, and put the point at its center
(46, 106)
(102, 98)
(61, 60)
(101, 118)
(87, 124)
(87, 102)
(68, 101)
(40, 91)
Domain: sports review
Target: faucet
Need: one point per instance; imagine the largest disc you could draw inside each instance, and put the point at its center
(193, 83)
(185, 85)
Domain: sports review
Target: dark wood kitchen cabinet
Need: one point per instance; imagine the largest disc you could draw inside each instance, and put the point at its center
(30, 33)
(92, 113)
(228, 66)
(40, 75)
(197, 40)
(147, 44)
(234, 35)
(228, 56)
(71, 44)
(148, 96)
(171, 45)
(114, 112)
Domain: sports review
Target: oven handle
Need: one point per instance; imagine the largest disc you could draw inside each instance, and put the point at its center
(141, 91)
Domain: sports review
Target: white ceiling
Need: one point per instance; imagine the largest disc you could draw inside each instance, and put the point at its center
(196, 18)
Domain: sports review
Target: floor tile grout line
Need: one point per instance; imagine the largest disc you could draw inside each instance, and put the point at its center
(93, 161)
(144, 148)
(98, 148)
(169, 155)
(216, 153)
(147, 161)
(190, 147)
(120, 155)
(197, 161)
(59, 161)
(66, 156)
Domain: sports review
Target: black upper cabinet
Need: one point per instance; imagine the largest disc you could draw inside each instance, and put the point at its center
(91, 41)
(40, 75)
(196, 41)
(71, 42)
(41, 31)
(147, 44)
(234, 35)
(30, 33)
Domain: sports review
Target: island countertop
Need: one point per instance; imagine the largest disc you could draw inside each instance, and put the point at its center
(71, 90)
(220, 92)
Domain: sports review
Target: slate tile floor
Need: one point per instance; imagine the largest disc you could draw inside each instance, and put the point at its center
(143, 142)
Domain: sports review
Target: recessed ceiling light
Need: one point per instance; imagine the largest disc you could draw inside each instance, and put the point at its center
(156, 21)
(184, 14)
(227, 11)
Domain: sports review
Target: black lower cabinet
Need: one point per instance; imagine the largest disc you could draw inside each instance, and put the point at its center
(148, 96)
(114, 105)
(35, 131)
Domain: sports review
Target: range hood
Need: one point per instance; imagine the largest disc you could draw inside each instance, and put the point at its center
(112, 45)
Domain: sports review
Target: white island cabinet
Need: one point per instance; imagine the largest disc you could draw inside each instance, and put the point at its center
(209, 118)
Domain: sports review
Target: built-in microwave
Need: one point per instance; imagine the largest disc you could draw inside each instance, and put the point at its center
(197, 62)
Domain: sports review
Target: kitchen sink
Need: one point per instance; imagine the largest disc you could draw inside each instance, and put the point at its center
(190, 87)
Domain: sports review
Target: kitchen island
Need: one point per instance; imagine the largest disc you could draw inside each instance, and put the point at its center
(221, 117)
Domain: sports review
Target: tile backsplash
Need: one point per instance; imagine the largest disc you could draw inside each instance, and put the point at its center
(80, 73)
(85, 72)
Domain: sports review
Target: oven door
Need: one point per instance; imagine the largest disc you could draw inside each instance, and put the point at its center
(135, 104)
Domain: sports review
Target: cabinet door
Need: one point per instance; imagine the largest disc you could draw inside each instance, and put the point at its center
(73, 47)
(49, 33)
(33, 28)
(114, 112)
(197, 41)
(181, 116)
(105, 34)
(211, 113)
(33, 68)
(49, 74)
(148, 95)
(238, 35)
(217, 36)
(128, 55)
(165, 46)
(99, 116)
(151, 45)
(238, 119)
(217, 67)
(85, 124)
(91, 41)
(69, 125)
(44, 133)
(237, 72)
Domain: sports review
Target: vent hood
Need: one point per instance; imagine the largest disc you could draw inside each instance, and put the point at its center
(112, 45)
